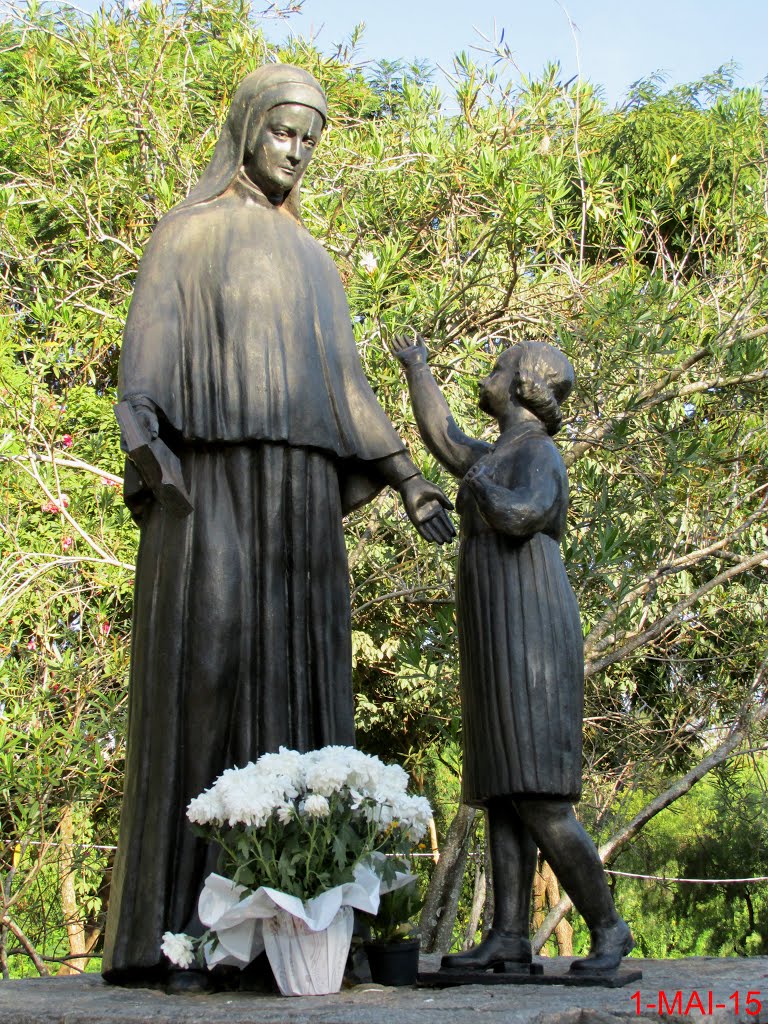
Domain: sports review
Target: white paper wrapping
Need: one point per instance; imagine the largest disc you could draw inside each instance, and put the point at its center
(306, 962)
(237, 921)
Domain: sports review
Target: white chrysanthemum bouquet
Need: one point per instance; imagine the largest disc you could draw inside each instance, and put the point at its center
(300, 823)
(300, 834)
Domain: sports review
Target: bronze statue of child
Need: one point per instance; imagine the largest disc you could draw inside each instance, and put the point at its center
(521, 647)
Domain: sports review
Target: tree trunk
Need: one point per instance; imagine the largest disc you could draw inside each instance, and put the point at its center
(3, 952)
(72, 922)
(441, 905)
(738, 733)
(433, 841)
(546, 894)
(478, 902)
(490, 901)
(563, 930)
(539, 899)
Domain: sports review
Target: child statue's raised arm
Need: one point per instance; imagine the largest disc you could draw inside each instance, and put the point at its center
(446, 441)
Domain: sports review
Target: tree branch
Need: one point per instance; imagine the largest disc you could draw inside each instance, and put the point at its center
(30, 949)
(666, 571)
(737, 734)
(653, 396)
(594, 665)
(68, 463)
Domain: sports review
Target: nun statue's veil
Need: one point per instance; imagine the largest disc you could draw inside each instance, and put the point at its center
(260, 91)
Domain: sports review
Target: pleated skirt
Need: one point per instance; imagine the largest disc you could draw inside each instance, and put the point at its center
(522, 674)
(241, 643)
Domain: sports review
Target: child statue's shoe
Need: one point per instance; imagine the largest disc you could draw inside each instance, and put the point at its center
(496, 949)
(609, 945)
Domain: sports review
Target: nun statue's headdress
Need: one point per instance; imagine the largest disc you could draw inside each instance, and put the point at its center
(260, 91)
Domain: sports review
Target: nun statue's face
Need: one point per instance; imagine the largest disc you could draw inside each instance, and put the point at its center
(281, 147)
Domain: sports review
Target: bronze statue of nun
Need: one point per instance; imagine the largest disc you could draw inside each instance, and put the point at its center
(238, 352)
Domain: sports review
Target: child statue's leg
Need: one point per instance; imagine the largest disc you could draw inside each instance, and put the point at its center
(574, 859)
(513, 861)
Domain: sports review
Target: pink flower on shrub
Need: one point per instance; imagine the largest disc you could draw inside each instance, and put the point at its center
(66, 543)
(67, 441)
(104, 628)
(53, 507)
(32, 644)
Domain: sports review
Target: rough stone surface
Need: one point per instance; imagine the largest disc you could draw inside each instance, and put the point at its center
(87, 1000)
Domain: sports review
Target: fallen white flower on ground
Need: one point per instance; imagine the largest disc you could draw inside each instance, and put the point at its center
(178, 948)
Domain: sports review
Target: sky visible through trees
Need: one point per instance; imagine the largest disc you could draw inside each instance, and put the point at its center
(611, 44)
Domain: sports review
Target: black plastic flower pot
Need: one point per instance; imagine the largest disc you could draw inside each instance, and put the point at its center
(393, 963)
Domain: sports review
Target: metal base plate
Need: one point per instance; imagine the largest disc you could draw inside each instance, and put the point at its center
(528, 974)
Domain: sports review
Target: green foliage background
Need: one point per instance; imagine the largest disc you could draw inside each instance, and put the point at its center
(634, 238)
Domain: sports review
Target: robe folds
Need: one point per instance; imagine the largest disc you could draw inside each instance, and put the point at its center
(239, 333)
(521, 651)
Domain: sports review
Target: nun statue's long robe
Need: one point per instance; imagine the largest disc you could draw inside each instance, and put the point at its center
(239, 333)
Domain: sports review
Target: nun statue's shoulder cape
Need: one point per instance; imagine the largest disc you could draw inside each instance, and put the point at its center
(239, 328)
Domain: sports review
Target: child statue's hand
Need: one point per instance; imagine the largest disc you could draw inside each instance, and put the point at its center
(476, 476)
(410, 350)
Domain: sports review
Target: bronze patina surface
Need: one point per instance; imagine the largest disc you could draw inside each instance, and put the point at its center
(239, 355)
(521, 648)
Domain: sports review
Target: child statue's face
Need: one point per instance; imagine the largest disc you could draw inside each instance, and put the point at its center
(495, 392)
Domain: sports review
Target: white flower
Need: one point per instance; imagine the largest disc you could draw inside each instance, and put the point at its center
(285, 813)
(368, 262)
(394, 778)
(390, 806)
(285, 768)
(243, 796)
(279, 786)
(244, 802)
(316, 806)
(327, 770)
(418, 817)
(205, 808)
(178, 949)
(365, 771)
